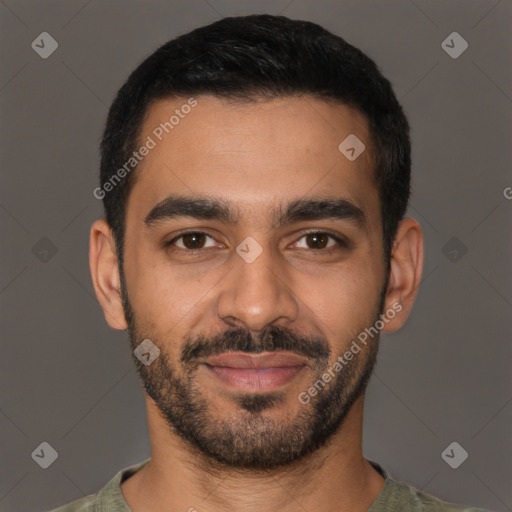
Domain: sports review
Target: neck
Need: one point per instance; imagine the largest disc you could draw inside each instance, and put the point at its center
(334, 478)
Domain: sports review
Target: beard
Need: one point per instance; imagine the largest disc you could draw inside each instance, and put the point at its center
(251, 438)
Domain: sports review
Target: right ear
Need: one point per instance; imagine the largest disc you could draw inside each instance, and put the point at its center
(105, 274)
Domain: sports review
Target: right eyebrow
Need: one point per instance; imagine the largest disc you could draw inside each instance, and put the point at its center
(195, 207)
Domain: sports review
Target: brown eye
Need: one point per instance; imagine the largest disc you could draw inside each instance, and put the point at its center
(191, 241)
(318, 240)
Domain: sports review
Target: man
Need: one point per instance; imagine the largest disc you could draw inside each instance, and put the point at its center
(255, 174)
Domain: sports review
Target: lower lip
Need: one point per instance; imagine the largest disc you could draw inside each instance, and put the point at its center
(251, 379)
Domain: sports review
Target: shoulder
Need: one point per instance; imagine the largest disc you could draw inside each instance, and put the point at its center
(401, 496)
(86, 504)
(425, 502)
(108, 499)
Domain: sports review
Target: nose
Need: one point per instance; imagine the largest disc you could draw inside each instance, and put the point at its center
(258, 293)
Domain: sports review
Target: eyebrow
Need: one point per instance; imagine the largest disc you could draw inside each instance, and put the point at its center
(206, 208)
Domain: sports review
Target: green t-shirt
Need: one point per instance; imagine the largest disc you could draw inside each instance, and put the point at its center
(395, 496)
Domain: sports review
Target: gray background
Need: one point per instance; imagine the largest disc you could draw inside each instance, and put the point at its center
(67, 379)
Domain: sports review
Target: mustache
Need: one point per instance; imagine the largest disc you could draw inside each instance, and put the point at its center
(271, 339)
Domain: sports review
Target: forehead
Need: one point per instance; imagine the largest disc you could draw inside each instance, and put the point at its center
(251, 153)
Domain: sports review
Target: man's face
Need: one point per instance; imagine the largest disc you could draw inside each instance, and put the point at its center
(278, 288)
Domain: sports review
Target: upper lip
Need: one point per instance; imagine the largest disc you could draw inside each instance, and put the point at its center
(256, 361)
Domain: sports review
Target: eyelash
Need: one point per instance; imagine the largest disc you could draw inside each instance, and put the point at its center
(341, 241)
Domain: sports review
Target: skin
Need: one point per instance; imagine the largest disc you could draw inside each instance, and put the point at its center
(255, 156)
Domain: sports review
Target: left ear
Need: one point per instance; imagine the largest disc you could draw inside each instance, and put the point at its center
(405, 273)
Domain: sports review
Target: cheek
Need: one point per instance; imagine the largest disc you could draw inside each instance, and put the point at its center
(345, 302)
(165, 297)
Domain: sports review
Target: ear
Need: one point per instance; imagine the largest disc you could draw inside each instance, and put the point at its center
(405, 273)
(105, 274)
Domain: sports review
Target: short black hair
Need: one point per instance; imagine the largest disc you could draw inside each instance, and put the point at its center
(252, 57)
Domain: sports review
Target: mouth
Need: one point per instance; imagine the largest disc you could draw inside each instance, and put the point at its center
(255, 372)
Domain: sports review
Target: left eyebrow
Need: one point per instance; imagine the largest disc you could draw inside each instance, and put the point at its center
(201, 208)
(319, 209)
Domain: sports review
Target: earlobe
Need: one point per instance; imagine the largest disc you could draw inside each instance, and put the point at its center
(406, 268)
(105, 274)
